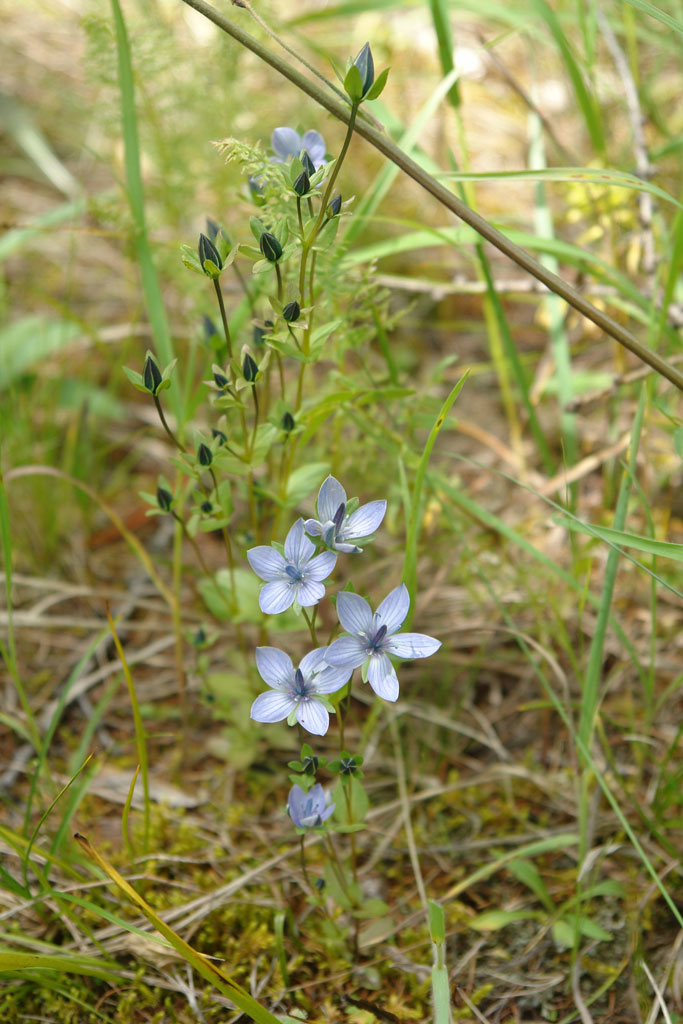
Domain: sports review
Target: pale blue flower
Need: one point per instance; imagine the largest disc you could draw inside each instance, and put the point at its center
(297, 694)
(337, 529)
(309, 810)
(296, 577)
(371, 638)
(287, 143)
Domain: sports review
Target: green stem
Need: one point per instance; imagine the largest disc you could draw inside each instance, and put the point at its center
(224, 318)
(165, 425)
(386, 146)
(311, 626)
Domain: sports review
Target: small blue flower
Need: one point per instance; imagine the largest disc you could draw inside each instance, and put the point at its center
(296, 694)
(296, 577)
(371, 638)
(287, 143)
(337, 529)
(309, 810)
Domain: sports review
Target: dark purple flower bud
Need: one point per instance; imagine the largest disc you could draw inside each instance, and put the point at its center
(220, 379)
(151, 376)
(208, 251)
(249, 369)
(366, 66)
(309, 166)
(206, 507)
(164, 499)
(291, 312)
(270, 247)
(205, 455)
(287, 422)
(334, 206)
(302, 185)
(212, 229)
(209, 327)
(222, 439)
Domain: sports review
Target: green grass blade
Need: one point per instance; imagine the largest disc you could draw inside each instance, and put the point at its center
(414, 525)
(140, 736)
(656, 12)
(591, 685)
(9, 652)
(586, 102)
(136, 198)
(225, 984)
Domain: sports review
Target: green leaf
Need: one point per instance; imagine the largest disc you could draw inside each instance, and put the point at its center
(136, 379)
(494, 920)
(370, 909)
(353, 84)
(661, 548)
(190, 258)
(437, 922)
(351, 800)
(528, 874)
(217, 593)
(26, 342)
(304, 480)
(378, 85)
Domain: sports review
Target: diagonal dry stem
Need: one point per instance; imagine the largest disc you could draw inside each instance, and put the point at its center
(331, 102)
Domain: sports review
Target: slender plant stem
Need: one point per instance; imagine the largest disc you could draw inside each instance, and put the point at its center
(311, 626)
(176, 442)
(388, 148)
(224, 318)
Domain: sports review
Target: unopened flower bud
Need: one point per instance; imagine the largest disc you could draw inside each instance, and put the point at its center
(209, 327)
(308, 165)
(164, 499)
(291, 312)
(208, 251)
(206, 507)
(366, 66)
(270, 247)
(287, 422)
(151, 376)
(220, 379)
(249, 368)
(205, 455)
(334, 206)
(302, 184)
(222, 439)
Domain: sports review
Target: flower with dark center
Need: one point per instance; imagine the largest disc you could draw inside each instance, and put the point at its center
(372, 638)
(297, 576)
(297, 694)
(337, 529)
(309, 810)
(287, 143)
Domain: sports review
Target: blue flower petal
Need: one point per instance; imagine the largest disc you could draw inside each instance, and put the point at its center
(364, 520)
(276, 597)
(330, 497)
(382, 677)
(308, 593)
(298, 548)
(320, 567)
(393, 609)
(272, 707)
(412, 645)
(347, 652)
(275, 667)
(285, 143)
(313, 717)
(266, 562)
(314, 144)
(355, 614)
